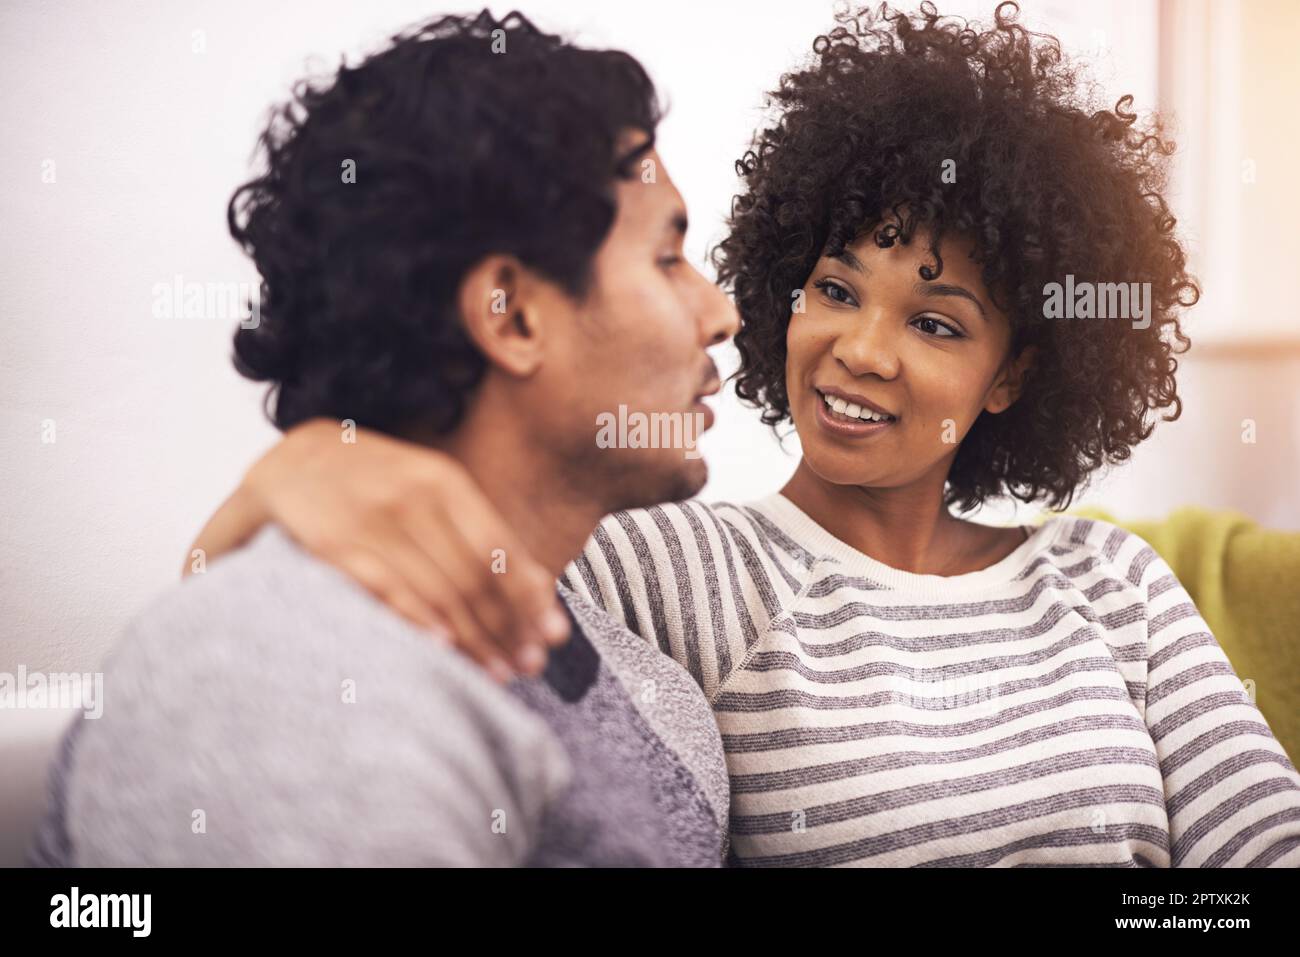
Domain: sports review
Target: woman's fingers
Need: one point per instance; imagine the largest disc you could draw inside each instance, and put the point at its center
(380, 579)
(414, 528)
(414, 553)
(473, 589)
(239, 516)
(524, 589)
(433, 605)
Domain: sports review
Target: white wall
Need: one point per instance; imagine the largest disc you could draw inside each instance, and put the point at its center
(148, 138)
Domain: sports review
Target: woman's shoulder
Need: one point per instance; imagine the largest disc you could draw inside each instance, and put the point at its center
(1097, 543)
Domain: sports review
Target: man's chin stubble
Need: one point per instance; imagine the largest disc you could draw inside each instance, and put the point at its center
(683, 484)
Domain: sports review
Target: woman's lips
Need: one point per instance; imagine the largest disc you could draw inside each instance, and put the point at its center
(843, 425)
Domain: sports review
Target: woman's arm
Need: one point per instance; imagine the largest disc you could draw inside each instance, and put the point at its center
(700, 582)
(1231, 793)
(409, 524)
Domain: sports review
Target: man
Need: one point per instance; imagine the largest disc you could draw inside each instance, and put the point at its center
(467, 240)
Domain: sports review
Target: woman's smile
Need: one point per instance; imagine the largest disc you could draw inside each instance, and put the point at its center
(847, 419)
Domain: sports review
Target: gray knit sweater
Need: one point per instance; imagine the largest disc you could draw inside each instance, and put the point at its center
(270, 712)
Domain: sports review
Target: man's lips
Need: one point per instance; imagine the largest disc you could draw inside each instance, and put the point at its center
(711, 389)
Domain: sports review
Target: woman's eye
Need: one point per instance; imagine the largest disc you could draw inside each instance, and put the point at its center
(668, 262)
(835, 292)
(933, 327)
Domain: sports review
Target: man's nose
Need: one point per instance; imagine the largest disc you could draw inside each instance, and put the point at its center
(719, 319)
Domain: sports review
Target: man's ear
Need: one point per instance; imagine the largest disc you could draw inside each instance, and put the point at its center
(501, 305)
(1007, 389)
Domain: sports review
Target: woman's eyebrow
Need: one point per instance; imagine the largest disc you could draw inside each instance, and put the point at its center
(847, 257)
(936, 289)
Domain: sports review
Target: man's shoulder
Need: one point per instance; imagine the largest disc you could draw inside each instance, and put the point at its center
(268, 576)
(270, 613)
(288, 698)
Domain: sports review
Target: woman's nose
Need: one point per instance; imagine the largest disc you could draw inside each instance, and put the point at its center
(868, 347)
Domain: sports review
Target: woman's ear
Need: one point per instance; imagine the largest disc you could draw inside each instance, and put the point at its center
(1007, 389)
(501, 309)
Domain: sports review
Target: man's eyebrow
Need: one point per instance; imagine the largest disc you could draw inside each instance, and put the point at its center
(936, 289)
(623, 167)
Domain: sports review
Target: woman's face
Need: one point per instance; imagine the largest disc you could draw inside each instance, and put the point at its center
(874, 337)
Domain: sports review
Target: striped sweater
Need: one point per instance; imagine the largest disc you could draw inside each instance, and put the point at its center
(1064, 706)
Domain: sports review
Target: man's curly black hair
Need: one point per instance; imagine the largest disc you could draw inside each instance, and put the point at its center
(470, 136)
(1045, 187)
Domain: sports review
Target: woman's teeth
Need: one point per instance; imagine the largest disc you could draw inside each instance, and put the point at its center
(853, 410)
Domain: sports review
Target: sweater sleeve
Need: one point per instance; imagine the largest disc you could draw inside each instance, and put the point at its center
(1242, 578)
(702, 582)
(1231, 793)
(250, 725)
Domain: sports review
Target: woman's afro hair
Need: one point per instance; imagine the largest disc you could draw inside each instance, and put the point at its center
(1045, 187)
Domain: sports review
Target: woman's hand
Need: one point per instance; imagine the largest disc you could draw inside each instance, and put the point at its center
(409, 524)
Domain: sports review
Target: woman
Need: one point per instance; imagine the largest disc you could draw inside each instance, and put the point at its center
(896, 685)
